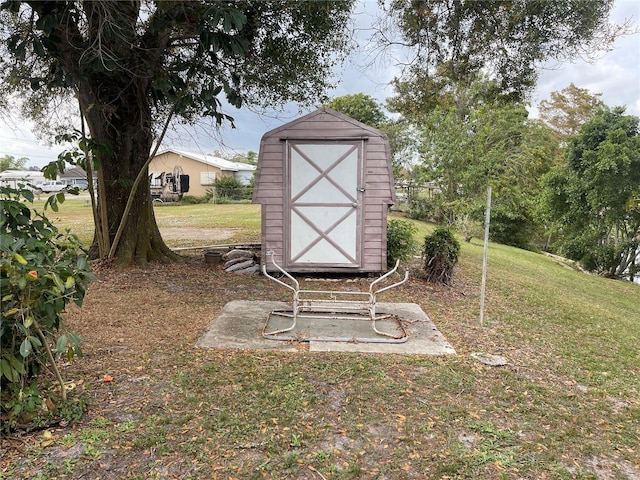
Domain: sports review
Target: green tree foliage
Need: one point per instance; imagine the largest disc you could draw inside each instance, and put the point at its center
(230, 188)
(454, 40)
(595, 197)
(41, 271)
(361, 107)
(415, 100)
(564, 113)
(135, 65)
(568, 109)
(403, 145)
(465, 151)
(9, 162)
(401, 244)
(440, 253)
(249, 157)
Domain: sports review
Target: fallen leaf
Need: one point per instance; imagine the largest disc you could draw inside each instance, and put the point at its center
(47, 439)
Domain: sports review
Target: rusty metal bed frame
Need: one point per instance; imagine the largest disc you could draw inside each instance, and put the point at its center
(334, 305)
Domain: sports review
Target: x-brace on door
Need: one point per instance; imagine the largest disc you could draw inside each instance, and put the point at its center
(324, 203)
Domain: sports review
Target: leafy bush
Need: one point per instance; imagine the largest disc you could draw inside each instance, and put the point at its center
(601, 259)
(440, 253)
(512, 224)
(427, 209)
(466, 226)
(400, 242)
(230, 188)
(41, 271)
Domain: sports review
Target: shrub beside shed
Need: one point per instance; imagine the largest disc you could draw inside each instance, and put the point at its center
(325, 183)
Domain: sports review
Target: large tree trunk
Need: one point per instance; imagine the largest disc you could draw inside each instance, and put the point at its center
(124, 125)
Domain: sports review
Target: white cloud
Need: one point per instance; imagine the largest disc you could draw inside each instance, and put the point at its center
(616, 74)
(17, 140)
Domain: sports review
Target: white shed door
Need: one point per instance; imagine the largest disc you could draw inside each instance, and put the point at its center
(324, 203)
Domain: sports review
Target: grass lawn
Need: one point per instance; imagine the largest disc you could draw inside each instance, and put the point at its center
(567, 404)
(75, 214)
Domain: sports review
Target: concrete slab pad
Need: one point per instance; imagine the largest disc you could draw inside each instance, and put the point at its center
(354, 327)
(240, 325)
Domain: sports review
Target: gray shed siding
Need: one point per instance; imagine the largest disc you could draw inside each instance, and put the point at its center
(272, 185)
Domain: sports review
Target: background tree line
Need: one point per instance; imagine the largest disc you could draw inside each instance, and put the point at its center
(568, 182)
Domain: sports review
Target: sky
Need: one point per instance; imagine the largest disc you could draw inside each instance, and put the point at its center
(615, 74)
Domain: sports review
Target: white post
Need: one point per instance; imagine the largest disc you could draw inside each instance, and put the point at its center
(484, 257)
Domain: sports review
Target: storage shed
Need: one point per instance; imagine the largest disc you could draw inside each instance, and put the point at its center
(325, 183)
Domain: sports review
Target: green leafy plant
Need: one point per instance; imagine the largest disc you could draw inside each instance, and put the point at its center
(440, 253)
(400, 242)
(41, 271)
(426, 209)
(22, 401)
(468, 227)
(230, 188)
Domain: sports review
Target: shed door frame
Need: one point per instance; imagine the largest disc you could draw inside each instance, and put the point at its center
(331, 230)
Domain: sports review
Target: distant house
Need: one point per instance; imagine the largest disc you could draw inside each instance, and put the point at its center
(76, 177)
(13, 178)
(201, 169)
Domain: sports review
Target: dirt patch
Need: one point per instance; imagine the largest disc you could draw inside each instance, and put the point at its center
(608, 469)
(205, 234)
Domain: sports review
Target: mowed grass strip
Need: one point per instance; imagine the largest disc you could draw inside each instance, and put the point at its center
(75, 214)
(567, 404)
